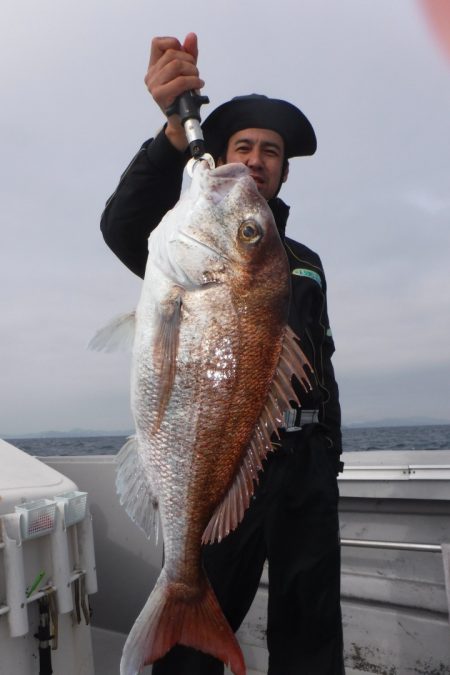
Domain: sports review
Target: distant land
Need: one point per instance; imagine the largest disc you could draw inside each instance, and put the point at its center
(84, 433)
(397, 422)
(71, 433)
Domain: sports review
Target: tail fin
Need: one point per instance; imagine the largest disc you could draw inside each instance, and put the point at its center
(169, 617)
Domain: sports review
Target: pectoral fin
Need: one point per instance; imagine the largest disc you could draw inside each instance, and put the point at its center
(230, 512)
(165, 351)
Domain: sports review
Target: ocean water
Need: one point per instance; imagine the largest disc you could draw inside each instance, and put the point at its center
(361, 439)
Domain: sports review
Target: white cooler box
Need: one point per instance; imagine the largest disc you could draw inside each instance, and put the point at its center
(47, 570)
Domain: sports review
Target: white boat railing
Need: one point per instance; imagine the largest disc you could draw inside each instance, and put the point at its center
(440, 472)
(444, 549)
(393, 545)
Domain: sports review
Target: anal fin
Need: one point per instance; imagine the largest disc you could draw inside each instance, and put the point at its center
(135, 490)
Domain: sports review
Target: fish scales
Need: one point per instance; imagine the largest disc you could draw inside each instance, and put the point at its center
(212, 364)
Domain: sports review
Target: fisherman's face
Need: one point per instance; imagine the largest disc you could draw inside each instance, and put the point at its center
(262, 151)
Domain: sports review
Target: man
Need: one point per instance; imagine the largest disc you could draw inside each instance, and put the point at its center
(292, 521)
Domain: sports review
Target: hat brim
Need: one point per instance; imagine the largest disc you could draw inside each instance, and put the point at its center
(260, 112)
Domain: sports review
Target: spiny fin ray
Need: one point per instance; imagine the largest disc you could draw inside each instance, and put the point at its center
(292, 361)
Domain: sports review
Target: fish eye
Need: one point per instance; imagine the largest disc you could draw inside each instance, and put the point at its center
(249, 231)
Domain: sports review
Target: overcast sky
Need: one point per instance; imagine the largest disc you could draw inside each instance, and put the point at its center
(374, 79)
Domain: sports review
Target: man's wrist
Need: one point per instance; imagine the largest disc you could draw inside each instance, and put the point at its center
(176, 136)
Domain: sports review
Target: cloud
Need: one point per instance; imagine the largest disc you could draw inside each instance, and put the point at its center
(408, 392)
(373, 201)
(428, 201)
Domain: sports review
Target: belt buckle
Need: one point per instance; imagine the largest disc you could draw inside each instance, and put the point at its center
(296, 418)
(290, 419)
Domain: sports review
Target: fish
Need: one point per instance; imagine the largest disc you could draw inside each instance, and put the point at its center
(211, 377)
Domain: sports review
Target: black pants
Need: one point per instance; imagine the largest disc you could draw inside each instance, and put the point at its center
(293, 523)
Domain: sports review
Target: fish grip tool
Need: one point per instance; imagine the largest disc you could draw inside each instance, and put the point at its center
(187, 106)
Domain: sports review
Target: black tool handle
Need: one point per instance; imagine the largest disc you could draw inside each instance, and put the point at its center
(45, 661)
(187, 106)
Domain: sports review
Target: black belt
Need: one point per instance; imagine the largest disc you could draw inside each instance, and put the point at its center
(296, 418)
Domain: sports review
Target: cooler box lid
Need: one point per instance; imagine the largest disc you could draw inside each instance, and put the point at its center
(24, 478)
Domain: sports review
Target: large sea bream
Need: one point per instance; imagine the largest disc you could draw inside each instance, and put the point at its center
(211, 376)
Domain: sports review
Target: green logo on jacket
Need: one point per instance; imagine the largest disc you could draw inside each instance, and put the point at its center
(301, 272)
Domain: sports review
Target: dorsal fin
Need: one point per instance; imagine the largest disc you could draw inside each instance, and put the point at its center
(230, 512)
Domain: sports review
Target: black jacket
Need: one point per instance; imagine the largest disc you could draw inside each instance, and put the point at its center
(149, 187)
